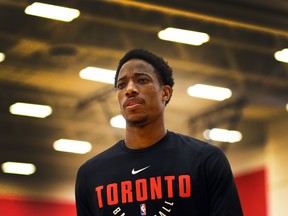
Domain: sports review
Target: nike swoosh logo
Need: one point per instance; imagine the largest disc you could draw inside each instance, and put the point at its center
(134, 172)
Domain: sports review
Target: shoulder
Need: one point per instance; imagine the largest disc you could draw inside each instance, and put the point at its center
(212, 158)
(188, 145)
(192, 143)
(101, 158)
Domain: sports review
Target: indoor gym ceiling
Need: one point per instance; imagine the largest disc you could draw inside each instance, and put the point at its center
(44, 58)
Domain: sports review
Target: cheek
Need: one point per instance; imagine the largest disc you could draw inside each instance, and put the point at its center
(119, 99)
(155, 95)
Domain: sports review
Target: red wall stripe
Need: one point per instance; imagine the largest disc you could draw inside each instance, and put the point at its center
(19, 206)
(252, 188)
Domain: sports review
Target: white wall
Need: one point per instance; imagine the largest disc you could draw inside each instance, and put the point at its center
(277, 163)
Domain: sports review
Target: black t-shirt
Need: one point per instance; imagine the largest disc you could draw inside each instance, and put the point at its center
(176, 176)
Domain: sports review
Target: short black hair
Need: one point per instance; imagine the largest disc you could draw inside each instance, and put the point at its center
(163, 70)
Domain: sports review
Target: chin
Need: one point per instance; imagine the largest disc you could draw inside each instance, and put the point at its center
(137, 122)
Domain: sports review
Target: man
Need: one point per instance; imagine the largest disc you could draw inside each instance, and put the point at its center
(154, 171)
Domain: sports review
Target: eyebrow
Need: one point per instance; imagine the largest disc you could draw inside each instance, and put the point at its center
(136, 73)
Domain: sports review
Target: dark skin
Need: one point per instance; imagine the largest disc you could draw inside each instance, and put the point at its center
(142, 101)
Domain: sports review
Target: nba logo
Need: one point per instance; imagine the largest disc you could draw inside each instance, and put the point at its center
(143, 209)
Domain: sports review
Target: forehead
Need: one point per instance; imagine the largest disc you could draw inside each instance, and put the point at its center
(136, 66)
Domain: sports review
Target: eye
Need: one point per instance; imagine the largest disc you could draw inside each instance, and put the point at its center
(142, 80)
(120, 85)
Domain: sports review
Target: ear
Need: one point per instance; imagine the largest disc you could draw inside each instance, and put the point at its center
(166, 93)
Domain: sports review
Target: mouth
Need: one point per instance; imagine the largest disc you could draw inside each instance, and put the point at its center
(132, 103)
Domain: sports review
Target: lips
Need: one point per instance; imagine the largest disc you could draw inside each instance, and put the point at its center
(132, 102)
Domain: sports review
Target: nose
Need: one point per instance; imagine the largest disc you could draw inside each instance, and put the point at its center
(131, 89)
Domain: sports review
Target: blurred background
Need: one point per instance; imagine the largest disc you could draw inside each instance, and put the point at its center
(52, 64)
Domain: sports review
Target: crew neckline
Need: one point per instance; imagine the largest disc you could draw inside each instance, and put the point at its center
(155, 145)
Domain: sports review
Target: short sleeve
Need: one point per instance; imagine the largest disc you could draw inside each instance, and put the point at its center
(222, 191)
(82, 203)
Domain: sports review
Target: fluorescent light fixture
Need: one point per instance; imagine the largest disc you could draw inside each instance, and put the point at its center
(222, 135)
(98, 74)
(118, 122)
(282, 55)
(72, 146)
(18, 168)
(183, 36)
(32, 110)
(209, 92)
(52, 12)
(2, 57)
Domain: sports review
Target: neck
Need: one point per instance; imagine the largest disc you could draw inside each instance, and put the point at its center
(145, 136)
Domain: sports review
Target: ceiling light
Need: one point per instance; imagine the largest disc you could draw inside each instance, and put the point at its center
(118, 122)
(18, 168)
(282, 55)
(209, 92)
(72, 146)
(52, 11)
(183, 36)
(98, 74)
(2, 57)
(222, 135)
(32, 110)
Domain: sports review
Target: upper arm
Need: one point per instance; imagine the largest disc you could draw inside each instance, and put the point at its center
(222, 191)
(81, 195)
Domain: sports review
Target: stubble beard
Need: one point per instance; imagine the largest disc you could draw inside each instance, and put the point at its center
(139, 122)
